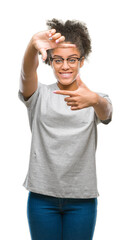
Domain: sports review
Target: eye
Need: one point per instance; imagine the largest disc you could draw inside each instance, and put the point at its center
(72, 60)
(58, 60)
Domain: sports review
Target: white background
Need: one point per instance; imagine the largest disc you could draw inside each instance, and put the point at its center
(107, 70)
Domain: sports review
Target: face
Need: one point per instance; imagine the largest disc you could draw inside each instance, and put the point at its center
(66, 74)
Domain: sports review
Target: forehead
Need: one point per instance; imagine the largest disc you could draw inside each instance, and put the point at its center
(65, 52)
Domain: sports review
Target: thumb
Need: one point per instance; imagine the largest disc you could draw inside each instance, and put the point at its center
(43, 53)
(79, 81)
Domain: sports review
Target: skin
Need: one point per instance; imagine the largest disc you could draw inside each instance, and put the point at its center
(80, 96)
(66, 83)
(39, 43)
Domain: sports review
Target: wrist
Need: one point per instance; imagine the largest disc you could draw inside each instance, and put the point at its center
(95, 99)
(33, 45)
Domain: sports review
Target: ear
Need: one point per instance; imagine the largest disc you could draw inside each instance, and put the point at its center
(82, 61)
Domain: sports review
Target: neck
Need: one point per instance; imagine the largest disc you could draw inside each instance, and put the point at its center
(71, 87)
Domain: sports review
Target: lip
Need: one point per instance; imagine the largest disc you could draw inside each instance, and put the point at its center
(64, 72)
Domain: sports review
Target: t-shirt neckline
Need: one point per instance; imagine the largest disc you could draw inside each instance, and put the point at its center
(56, 86)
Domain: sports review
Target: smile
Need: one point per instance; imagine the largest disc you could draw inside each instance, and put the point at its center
(66, 74)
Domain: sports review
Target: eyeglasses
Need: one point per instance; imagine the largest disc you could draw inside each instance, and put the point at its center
(71, 61)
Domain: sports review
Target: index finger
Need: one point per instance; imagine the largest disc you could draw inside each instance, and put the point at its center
(64, 92)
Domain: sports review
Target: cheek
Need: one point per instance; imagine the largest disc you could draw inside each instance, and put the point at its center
(55, 72)
(77, 70)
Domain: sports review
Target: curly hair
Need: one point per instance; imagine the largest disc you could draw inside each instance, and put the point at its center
(75, 32)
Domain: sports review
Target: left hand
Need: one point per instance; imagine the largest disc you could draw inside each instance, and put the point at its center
(81, 98)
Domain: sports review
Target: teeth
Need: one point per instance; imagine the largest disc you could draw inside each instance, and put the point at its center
(66, 75)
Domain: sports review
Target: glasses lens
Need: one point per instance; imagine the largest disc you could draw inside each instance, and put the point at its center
(71, 61)
(57, 61)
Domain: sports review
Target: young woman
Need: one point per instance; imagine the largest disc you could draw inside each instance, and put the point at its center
(63, 117)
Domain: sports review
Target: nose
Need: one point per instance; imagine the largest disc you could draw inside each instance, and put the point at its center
(65, 65)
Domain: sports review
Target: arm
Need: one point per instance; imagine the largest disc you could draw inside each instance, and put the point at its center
(28, 75)
(102, 108)
(83, 97)
(40, 42)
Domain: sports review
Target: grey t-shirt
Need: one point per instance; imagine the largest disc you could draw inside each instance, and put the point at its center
(63, 145)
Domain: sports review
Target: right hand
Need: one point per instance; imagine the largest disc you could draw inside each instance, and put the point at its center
(42, 41)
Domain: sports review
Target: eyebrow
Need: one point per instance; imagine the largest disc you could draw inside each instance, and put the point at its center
(68, 56)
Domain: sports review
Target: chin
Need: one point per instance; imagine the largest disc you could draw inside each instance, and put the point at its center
(66, 81)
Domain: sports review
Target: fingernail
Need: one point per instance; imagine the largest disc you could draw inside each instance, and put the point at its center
(50, 35)
(57, 41)
(50, 38)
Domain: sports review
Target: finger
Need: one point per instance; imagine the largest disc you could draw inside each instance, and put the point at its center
(60, 39)
(78, 76)
(69, 99)
(79, 81)
(72, 104)
(66, 45)
(70, 93)
(55, 36)
(43, 53)
(51, 32)
(74, 108)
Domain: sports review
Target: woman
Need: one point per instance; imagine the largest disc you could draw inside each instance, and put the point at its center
(63, 117)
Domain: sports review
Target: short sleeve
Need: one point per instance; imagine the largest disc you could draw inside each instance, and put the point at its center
(33, 99)
(111, 110)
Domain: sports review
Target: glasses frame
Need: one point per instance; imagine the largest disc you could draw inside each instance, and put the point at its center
(51, 59)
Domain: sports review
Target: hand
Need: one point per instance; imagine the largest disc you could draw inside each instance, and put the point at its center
(81, 98)
(45, 40)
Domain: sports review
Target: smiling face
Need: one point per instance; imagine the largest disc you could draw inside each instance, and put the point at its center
(66, 72)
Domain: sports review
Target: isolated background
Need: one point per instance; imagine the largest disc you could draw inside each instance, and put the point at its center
(107, 70)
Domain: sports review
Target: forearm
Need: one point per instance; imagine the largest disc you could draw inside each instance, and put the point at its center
(30, 61)
(102, 107)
